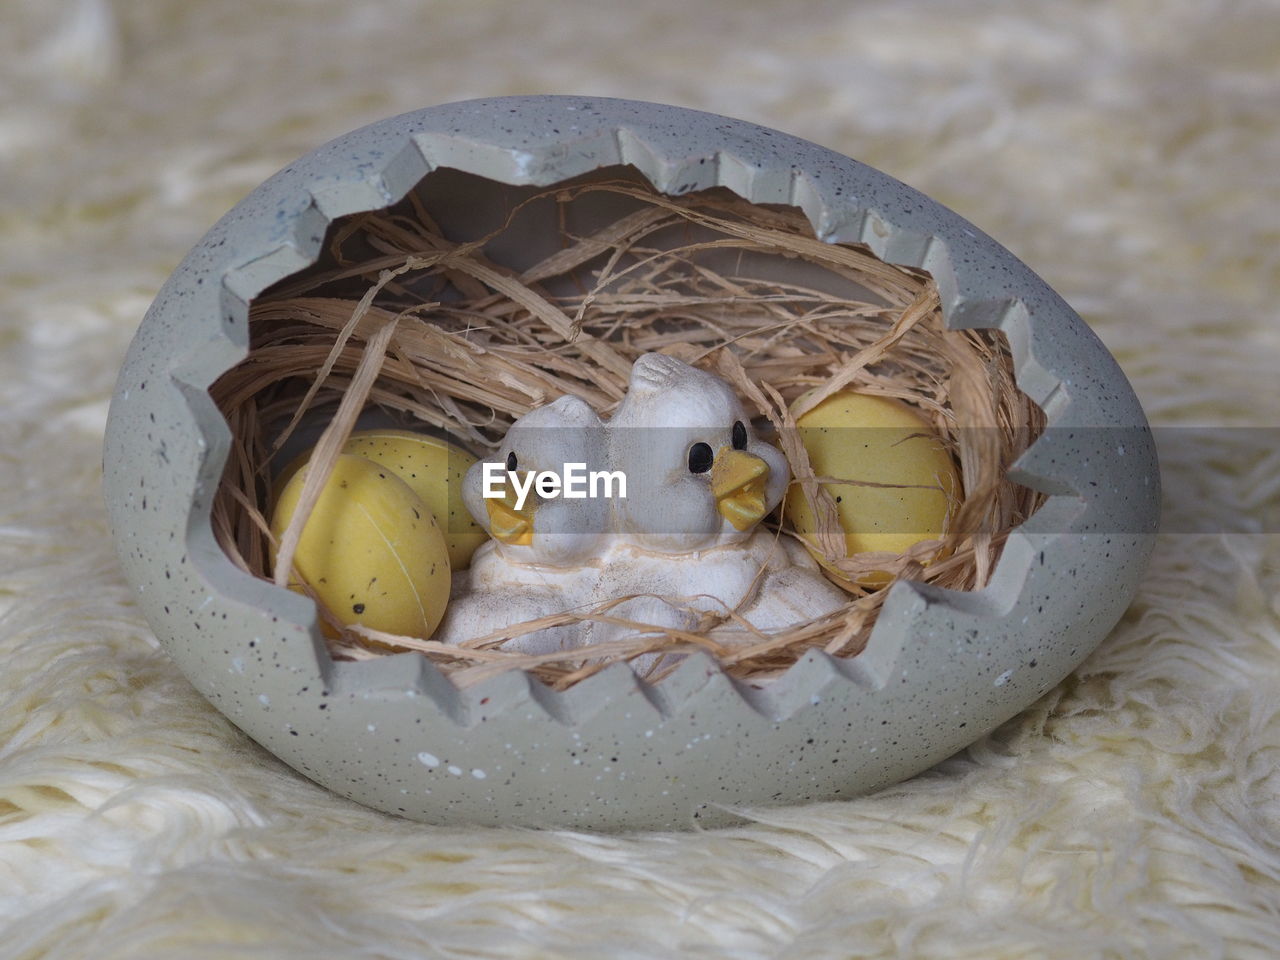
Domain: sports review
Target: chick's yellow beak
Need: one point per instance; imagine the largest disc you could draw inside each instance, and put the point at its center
(738, 481)
(508, 524)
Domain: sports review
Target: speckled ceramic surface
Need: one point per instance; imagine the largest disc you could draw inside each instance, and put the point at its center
(940, 670)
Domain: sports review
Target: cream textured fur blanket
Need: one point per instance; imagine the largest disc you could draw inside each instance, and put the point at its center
(1127, 150)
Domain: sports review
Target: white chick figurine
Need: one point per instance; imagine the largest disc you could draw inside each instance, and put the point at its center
(683, 544)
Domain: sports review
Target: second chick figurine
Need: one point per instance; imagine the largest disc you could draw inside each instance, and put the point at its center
(682, 545)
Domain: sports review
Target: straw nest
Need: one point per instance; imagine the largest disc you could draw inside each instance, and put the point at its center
(398, 317)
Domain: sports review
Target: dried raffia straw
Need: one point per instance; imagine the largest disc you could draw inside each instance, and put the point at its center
(330, 445)
(398, 317)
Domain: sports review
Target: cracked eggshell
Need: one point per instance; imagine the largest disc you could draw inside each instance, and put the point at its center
(940, 669)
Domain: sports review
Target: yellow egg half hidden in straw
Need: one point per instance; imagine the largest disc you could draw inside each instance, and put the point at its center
(371, 550)
(433, 468)
(900, 482)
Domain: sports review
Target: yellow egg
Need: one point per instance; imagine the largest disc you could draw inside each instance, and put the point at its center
(371, 550)
(857, 437)
(433, 469)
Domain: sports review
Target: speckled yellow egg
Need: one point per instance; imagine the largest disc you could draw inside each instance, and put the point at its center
(901, 481)
(433, 468)
(371, 550)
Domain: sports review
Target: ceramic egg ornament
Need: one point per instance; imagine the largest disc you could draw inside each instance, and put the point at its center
(370, 549)
(940, 668)
(681, 545)
(893, 482)
(433, 468)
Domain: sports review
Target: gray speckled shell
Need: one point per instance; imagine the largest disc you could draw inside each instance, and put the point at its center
(941, 668)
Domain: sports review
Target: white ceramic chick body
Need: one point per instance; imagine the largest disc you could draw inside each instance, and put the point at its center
(683, 545)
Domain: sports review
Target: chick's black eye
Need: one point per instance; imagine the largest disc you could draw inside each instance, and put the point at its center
(700, 458)
(512, 462)
(739, 435)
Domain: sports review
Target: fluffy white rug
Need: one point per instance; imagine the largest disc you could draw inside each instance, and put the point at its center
(1128, 150)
